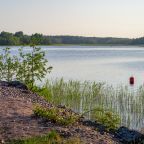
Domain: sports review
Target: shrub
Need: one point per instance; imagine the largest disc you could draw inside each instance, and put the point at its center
(33, 66)
(8, 65)
(109, 119)
(57, 115)
(25, 67)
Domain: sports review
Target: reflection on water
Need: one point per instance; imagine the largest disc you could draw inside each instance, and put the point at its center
(113, 65)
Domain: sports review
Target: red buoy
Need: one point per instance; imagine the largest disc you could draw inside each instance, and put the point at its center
(131, 80)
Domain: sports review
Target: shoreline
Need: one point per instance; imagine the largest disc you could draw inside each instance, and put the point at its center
(16, 113)
(110, 45)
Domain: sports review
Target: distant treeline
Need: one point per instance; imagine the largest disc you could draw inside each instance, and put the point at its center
(19, 38)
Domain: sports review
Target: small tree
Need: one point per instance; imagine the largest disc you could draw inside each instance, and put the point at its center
(27, 67)
(7, 65)
(21, 67)
(35, 66)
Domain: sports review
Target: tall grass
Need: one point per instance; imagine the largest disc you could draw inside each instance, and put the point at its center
(85, 96)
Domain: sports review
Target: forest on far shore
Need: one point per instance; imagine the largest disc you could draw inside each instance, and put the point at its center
(19, 38)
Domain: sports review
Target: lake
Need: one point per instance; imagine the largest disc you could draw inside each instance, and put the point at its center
(112, 65)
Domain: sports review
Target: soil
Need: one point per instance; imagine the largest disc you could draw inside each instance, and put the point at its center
(17, 120)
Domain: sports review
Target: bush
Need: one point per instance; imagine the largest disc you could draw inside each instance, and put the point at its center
(26, 67)
(109, 119)
(56, 115)
(8, 65)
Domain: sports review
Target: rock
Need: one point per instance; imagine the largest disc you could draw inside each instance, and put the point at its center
(61, 106)
(3, 83)
(126, 135)
(123, 134)
(2, 141)
(101, 128)
(15, 84)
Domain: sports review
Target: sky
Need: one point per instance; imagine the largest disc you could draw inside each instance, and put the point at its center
(98, 18)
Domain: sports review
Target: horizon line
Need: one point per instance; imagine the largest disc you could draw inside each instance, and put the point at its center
(119, 37)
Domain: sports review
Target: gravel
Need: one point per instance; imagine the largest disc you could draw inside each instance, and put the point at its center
(18, 121)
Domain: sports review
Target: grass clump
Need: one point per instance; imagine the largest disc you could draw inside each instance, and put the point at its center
(51, 138)
(56, 115)
(109, 119)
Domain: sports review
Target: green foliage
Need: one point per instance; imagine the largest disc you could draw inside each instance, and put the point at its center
(109, 119)
(1, 67)
(51, 138)
(19, 38)
(26, 67)
(57, 115)
(8, 65)
(85, 98)
(74, 94)
(33, 66)
(36, 39)
(44, 91)
(8, 39)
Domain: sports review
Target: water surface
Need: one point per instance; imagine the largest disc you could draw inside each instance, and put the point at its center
(113, 65)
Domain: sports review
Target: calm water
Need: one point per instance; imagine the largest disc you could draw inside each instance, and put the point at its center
(113, 65)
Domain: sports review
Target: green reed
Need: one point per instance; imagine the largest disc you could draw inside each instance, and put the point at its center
(85, 96)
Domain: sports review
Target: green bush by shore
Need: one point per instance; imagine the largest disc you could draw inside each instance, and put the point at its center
(56, 115)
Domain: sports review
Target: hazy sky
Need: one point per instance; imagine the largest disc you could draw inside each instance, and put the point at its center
(116, 18)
